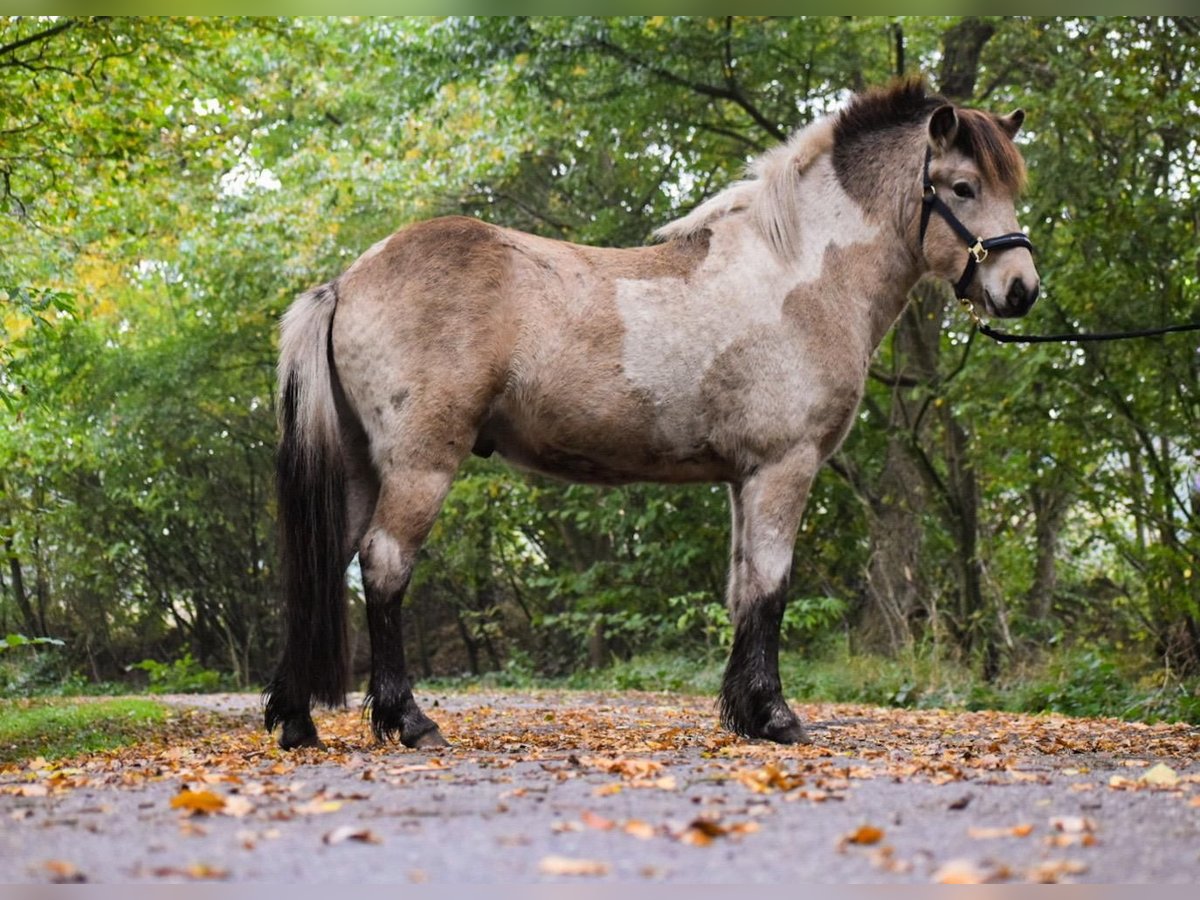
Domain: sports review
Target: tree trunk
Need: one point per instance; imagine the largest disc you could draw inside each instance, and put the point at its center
(29, 621)
(895, 592)
(1049, 510)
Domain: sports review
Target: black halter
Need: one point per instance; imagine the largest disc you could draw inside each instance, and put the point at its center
(977, 247)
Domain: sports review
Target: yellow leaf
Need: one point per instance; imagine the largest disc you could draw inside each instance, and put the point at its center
(1160, 775)
(197, 802)
(565, 865)
(980, 834)
(639, 829)
(961, 871)
(864, 835)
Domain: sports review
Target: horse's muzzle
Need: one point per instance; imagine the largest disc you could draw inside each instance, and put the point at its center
(1020, 298)
(1016, 301)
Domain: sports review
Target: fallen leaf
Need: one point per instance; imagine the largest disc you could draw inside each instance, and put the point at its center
(566, 865)
(591, 820)
(1054, 870)
(345, 833)
(961, 802)
(885, 858)
(195, 871)
(237, 806)
(864, 835)
(317, 806)
(1023, 830)
(197, 803)
(639, 829)
(63, 872)
(1073, 824)
(769, 778)
(632, 769)
(966, 871)
(701, 832)
(1160, 775)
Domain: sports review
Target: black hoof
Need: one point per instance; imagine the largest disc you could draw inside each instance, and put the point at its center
(768, 718)
(406, 722)
(299, 732)
(786, 732)
(430, 740)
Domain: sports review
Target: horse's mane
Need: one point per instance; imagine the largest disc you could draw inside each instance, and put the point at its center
(768, 193)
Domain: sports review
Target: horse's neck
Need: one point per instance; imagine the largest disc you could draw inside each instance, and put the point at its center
(838, 251)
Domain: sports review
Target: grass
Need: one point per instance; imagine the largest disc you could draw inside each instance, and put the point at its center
(57, 727)
(1076, 682)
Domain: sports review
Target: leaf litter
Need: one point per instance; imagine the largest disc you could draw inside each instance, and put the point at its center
(229, 768)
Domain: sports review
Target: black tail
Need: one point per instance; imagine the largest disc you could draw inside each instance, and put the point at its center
(310, 478)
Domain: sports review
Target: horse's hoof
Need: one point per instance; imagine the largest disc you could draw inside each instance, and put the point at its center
(430, 740)
(789, 733)
(296, 739)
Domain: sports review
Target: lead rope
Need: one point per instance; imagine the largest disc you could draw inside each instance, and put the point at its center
(1004, 337)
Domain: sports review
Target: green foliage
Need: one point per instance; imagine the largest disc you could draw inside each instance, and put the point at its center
(12, 641)
(167, 184)
(181, 676)
(56, 728)
(35, 665)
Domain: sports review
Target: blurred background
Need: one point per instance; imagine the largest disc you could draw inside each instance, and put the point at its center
(1009, 527)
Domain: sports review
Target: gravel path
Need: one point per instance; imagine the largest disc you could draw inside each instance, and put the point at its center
(640, 787)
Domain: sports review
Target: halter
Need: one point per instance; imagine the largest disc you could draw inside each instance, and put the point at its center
(977, 247)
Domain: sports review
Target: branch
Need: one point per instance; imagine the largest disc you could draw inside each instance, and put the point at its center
(732, 93)
(40, 36)
(894, 381)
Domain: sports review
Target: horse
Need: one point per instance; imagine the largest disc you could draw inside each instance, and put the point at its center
(735, 349)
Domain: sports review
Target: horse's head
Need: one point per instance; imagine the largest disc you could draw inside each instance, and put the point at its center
(972, 176)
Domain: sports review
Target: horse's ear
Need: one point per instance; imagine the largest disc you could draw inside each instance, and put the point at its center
(1012, 122)
(943, 126)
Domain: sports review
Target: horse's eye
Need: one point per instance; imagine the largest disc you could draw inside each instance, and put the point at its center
(963, 189)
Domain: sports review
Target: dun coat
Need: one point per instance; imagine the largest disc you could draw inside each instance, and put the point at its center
(734, 350)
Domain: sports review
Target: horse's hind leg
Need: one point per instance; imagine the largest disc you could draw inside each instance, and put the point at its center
(408, 504)
(766, 514)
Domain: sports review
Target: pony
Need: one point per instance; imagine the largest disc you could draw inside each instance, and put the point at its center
(735, 350)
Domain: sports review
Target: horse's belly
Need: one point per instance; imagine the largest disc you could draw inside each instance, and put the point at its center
(601, 458)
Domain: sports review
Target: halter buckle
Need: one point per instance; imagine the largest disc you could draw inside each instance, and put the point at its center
(969, 307)
(978, 251)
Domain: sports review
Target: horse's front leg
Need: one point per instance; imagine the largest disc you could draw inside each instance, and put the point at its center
(766, 514)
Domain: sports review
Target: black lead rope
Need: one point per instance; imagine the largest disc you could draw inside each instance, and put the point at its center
(1004, 337)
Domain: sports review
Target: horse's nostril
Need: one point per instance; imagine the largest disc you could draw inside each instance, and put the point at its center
(1020, 297)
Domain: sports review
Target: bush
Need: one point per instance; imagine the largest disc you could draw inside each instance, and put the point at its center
(30, 665)
(182, 676)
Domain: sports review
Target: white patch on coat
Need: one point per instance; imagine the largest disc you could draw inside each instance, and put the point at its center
(675, 328)
(385, 564)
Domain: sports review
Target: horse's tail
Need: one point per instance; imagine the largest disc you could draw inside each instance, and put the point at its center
(310, 477)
